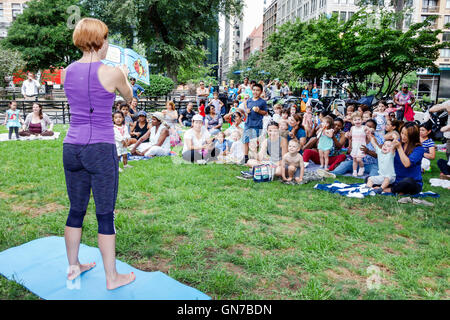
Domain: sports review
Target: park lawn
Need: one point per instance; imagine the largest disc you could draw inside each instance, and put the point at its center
(235, 239)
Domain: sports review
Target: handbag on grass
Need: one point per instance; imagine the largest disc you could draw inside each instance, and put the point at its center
(263, 173)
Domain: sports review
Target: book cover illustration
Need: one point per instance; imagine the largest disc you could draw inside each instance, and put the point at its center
(137, 64)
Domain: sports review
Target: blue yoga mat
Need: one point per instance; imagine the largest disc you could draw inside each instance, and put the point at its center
(41, 267)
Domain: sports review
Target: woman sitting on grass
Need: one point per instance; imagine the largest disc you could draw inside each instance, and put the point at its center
(213, 122)
(37, 123)
(158, 138)
(238, 123)
(407, 162)
(428, 146)
(198, 143)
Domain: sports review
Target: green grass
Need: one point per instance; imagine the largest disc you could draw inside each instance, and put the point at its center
(235, 239)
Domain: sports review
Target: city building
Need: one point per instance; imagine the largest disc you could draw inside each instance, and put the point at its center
(253, 42)
(269, 22)
(233, 44)
(9, 10)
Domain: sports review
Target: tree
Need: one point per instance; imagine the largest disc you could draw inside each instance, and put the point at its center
(355, 50)
(172, 30)
(10, 61)
(42, 35)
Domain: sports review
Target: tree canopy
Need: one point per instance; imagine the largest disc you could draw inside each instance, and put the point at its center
(42, 36)
(355, 50)
(172, 30)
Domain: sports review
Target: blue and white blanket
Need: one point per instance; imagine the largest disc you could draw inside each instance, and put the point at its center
(360, 190)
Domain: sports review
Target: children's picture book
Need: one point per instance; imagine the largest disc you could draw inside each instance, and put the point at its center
(137, 64)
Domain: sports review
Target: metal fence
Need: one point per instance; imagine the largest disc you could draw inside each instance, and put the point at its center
(59, 111)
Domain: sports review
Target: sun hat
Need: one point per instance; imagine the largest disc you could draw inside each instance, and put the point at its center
(142, 113)
(159, 116)
(405, 85)
(390, 101)
(197, 117)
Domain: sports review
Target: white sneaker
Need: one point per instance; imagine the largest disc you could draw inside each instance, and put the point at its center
(201, 161)
(120, 169)
(355, 173)
(360, 172)
(127, 166)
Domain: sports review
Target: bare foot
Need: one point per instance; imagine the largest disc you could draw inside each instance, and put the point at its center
(76, 270)
(120, 280)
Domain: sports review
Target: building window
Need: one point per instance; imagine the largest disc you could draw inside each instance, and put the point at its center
(447, 4)
(445, 53)
(1, 9)
(343, 16)
(16, 9)
(446, 36)
(446, 19)
(350, 14)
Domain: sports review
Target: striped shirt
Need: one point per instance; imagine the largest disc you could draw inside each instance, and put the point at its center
(427, 144)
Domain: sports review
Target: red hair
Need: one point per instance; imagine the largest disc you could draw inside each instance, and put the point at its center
(90, 34)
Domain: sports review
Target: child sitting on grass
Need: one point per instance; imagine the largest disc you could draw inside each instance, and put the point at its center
(386, 170)
(292, 164)
(221, 143)
(277, 115)
(236, 154)
(122, 138)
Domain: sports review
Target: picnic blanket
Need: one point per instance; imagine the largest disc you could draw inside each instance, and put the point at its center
(360, 190)
(4, 137)
(139, 158)
(440, 183)
(313, 167)
(41, 267)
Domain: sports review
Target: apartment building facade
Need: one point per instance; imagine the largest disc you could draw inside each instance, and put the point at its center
(253, 42)
(9, 10)
(269, 22)
(233, 44)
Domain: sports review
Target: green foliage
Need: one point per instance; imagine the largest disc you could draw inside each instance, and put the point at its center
(195, 74)
(173, 31)
(159, 86)
(10, 61)
(366, 44)
(42, 36)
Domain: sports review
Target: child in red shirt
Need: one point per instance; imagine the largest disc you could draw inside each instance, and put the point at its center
(201, 109)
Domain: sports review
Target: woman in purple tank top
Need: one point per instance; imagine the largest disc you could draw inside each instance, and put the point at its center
(89, 151)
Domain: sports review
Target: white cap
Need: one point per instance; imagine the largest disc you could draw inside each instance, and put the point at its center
(197, 117)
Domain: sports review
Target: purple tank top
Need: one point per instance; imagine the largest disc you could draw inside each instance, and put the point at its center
(76, 89)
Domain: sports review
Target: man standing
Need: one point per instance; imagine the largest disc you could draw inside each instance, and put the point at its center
(30, 87)
(202, 93)
(401, 99)
(256, 109)
(285, 90)
(136, 87)
(315, 92)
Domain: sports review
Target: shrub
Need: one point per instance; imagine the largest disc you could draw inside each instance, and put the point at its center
(159, 86)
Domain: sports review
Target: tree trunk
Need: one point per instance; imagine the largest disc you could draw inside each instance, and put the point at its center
(399, 4)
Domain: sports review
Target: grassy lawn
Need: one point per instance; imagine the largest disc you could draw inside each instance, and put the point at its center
(236, 239)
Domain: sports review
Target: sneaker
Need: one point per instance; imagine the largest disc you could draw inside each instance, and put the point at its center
(424, 202)
(355, 173)
(127, 166)
(246, 174)
(244, 178)
(325, 174)
(405, 200)
(120, 169)
(360, 172)
(201, 161)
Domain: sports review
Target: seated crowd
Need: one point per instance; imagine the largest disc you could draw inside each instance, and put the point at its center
(363, 141)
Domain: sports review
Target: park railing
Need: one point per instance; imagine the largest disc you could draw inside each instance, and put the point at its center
(59, 111)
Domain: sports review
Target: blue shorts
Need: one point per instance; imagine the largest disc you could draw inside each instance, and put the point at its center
(250, 134)
(91, 167)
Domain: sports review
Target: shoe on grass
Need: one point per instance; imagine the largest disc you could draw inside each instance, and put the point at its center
(127, 166)
(405, 200)
(424, 202)
(325, 174)
(120, 169)
(244, 178)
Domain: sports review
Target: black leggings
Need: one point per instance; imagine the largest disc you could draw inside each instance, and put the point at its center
(16, 131)
(443, 166)
(96, 167)
(406, 186)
